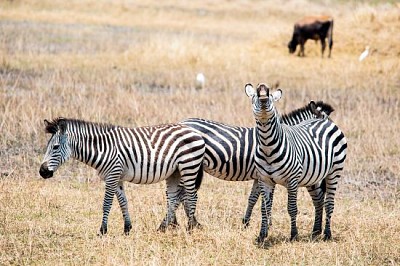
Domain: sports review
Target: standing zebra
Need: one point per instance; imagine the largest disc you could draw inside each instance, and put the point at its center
(310, 154)
(143, 155)
(230, 150)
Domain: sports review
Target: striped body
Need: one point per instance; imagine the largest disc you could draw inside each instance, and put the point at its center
(309, 154)
(230, 149)
(307, 151)
(143, 155)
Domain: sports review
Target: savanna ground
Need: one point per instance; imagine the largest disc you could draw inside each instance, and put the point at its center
(133, 63)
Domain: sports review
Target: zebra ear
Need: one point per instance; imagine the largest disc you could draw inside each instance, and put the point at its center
(50, 127)
(313, 107)
(46, 123)
(249, 89)
(277, 95)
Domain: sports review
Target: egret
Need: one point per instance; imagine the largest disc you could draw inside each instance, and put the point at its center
(200, 81)
(364, 54)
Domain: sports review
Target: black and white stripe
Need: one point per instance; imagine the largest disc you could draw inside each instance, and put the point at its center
(230, 149)
(309, 154)
(143, 155)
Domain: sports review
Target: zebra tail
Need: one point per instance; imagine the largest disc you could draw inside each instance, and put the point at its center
(199, 178)
(323, 185)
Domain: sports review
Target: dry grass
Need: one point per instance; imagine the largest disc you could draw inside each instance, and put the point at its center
(134, 64)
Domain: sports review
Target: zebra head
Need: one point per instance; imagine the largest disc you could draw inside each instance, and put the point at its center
(262, 101)
(58, 150)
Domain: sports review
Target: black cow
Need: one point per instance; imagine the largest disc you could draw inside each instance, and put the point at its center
(314, 28)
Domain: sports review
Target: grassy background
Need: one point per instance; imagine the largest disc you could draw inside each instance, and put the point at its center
(134, 64)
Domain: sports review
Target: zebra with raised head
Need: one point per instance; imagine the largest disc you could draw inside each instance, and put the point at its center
(143, 155)
(310, 154)
(230, 150)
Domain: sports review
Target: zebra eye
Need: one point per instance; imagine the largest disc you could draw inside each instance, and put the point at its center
(56, 146)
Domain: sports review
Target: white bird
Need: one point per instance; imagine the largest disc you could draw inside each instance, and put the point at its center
(200, 81)
(364, 54)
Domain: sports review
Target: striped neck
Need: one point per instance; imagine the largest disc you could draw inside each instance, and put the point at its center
(89, 141)
(269, 133)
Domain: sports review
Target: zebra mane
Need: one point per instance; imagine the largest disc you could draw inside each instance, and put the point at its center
(52, 126)
(319, 109)
(60, 124)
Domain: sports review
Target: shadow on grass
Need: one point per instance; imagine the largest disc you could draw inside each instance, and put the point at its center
(282, 239)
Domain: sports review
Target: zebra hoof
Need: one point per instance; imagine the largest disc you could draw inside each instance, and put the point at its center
(315, 234)
(127, 228)
(174, 224)
(193, 225)
(294, 236)
(162, 228)
(327, 236)
(245, 222)
(260, 240)
(103, 229)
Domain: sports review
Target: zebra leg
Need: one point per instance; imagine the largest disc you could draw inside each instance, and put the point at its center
(174, 223)
(111, 188)
(269, 205)
(292, 207)
(186, 208)
(189, 175)
(173, 194)
(253, 197)
(123, 203)
(331, 185)
(317, 194)
(266, 189)
(190, 203)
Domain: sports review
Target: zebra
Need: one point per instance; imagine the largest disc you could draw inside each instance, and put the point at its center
(310, 154)
(230, 149)
(142, 155)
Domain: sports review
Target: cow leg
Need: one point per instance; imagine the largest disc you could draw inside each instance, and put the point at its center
(301, 52)
(323, 45)
(330, 46)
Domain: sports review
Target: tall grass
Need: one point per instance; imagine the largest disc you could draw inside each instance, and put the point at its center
(134, 64)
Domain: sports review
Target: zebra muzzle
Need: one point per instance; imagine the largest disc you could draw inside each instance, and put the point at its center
(44, 171)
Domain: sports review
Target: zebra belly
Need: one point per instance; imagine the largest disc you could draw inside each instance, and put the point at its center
(311, 180)
(223, 175)
(146, 175)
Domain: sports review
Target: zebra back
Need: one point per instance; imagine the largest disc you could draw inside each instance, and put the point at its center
(312, 110)
(230, 149)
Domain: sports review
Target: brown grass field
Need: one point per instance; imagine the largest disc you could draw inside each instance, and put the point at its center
(134, 63)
